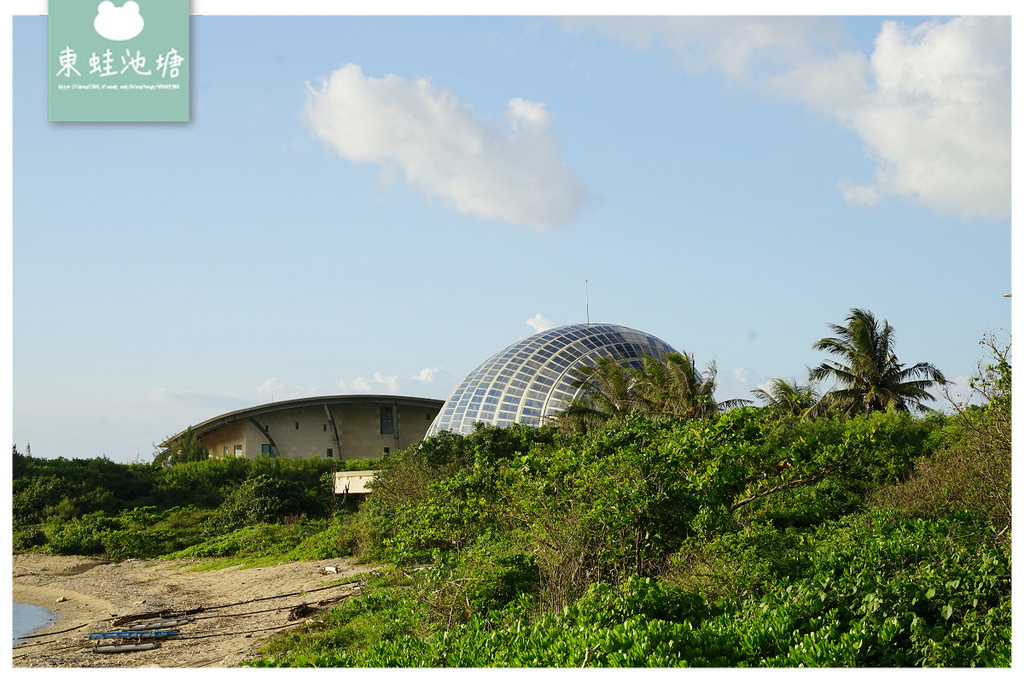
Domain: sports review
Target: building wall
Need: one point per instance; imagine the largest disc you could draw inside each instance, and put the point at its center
(342, 431)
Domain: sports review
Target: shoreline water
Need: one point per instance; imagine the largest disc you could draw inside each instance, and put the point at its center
(28, 619)
(87, 594)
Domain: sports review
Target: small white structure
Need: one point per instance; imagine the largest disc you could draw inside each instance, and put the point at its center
(353, 482)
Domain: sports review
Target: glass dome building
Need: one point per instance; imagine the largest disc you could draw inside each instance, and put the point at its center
(533, 378)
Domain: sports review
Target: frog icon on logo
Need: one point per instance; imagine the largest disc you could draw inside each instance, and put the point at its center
(118, 23)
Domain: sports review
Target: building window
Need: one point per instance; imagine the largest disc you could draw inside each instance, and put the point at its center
(330, 452)
(238, 449)
(386, 450)
(387, 420)
(266, 449)
(227, 451)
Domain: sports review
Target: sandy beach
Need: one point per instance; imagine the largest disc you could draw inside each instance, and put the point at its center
(241, 608)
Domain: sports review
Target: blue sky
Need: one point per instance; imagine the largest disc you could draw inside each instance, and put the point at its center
(378, 204)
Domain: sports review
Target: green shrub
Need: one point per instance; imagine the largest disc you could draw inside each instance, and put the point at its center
(338, 537)
(82, 536)
(28, 539)
(122, 544)
(491, 573)
(31, 496)
(262, 499)
(868, 591)
(972, 469)
(255, 541)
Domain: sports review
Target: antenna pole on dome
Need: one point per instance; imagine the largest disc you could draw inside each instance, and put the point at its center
(586, 290)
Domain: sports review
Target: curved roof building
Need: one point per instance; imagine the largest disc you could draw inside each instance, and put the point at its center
(346, 427)
(533, 378)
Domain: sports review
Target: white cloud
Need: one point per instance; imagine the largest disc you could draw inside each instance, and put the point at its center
(931, 103)
(380, 383)
(526, 116)
(445, 151)
(277, 390)
(742, 48)
(389, 382)
(426, 375)
(859, 195)
(270, 387)
(189, 404)
(539, 323)
(161, 395)
(938, 119)
(741, 374)
(118, 23)
(360, 385)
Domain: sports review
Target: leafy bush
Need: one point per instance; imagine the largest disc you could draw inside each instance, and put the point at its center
(28, 539)
(972, 469)
(151, 511)
(868, 591)
(253, 541)
(841, 462)
(32, 496)
(83, 536)
(622, 498)
(339, 538)
(487, 576)
(956, 479)
(262, 499)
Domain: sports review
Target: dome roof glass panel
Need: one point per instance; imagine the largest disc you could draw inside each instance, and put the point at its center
(533, 378)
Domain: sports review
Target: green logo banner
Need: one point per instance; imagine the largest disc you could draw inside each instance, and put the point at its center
(126, 60)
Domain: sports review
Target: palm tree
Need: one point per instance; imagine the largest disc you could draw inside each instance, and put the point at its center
(608, 391)
(673, 386)
(789, 398)
(869, 375)
(653, 386)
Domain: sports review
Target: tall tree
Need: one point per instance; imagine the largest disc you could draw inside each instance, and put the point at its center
(787, 397)
(186, 448)
(674, 386)
(868, 373)
(608, 391)
(616, 387)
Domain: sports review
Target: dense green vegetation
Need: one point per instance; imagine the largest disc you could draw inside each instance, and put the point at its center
(769, 536)
(753, 537)
(657, 542)
(206, 507)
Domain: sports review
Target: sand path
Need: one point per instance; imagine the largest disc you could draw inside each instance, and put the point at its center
(242, 608)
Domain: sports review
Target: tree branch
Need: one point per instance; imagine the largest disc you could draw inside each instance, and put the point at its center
(780, 487)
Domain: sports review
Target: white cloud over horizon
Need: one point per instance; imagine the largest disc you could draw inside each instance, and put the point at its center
(931, 103)
(443, 149)
(277, 390)
(539, 323)
(379, 383)
(270, 386)
(427, 375)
